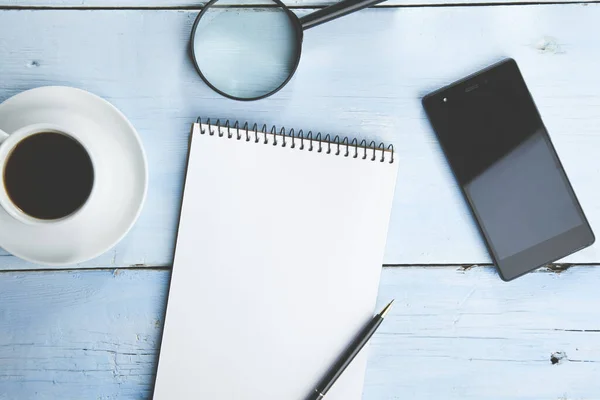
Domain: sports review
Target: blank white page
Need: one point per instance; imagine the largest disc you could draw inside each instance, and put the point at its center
(276, 269)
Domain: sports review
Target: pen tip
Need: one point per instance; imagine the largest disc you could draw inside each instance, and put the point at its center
(386, 309)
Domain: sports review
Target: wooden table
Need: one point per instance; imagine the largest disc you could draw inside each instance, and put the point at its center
(457, 331)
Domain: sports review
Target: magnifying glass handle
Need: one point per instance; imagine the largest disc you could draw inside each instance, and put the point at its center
(334, 11)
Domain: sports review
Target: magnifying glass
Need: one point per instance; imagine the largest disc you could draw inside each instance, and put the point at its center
(251, 52)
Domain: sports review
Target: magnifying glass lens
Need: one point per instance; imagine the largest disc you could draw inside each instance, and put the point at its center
(243, 52)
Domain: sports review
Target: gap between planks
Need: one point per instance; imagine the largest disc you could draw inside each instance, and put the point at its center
(307, 7)
(556, 268)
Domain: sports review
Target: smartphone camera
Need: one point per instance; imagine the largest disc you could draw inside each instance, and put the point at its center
(445, 99)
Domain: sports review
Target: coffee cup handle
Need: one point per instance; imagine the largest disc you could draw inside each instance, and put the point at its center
(3, 136)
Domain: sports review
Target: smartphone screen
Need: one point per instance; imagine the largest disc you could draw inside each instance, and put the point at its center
(503, 159)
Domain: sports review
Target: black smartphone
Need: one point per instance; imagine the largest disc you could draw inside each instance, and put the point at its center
(510, 175)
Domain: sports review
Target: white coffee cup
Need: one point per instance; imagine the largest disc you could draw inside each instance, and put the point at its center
(8, 142)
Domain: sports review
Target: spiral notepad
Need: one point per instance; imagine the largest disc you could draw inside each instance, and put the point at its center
(277, 262)
(310, 142)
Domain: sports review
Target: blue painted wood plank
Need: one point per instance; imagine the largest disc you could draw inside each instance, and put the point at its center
(452, 334)
(361, 76)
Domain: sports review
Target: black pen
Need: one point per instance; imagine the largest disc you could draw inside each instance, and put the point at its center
(348, 355)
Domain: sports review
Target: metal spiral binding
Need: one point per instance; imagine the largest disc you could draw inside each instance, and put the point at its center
(338, 146)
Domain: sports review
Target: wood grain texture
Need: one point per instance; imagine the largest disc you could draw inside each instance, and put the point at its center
(198, 4)
(361, 76)
(452, 334)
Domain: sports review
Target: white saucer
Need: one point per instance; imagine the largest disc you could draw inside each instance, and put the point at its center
(121, 177)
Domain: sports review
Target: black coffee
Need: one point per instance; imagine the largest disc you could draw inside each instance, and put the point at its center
(48, 175)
